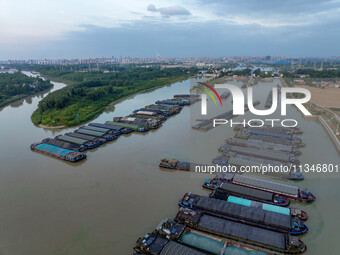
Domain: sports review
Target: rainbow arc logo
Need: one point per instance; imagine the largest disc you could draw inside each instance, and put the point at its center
(209, 93)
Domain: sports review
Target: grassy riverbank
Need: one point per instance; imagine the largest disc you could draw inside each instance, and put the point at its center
(17, 86)
(85, 100)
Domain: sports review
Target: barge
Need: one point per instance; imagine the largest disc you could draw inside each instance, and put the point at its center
(292, 192)
(149, 115)
(98, 140)
(267, 132)
(106, 131)
(257, 166)
(261, 153)
(65, 145)
(293, 212)
(276, 241)
(208, 124)
(254, 216)
(270, 139)
(269, 100)
(222, 190)
(153, 244)
(146, 123)
(174, 164)
(173, 102)
(86, 143)
(126, 125)
(57, 152)
(97, 134)
(258, 144)
(212, 244)
(116, 129)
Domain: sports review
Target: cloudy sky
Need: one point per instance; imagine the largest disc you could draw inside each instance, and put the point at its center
(104, 28)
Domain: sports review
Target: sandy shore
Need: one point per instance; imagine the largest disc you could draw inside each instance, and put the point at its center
(49, 127)
(327, 97)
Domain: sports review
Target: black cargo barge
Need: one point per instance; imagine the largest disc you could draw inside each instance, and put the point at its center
(281, 242)
(153, 244)
(196, 239)
(98, 140)
(254, 216)
(222, 190)
(86, 143)
(65, 145)
(292, 192)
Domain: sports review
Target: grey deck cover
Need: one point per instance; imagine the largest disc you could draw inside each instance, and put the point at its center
(82, 136)
(72, 139)
(157, 245)
(243, 231)
(111, 127)
(89, 132)
(98, 129)
(62, 144)
(173, 248)
(262, 144)
(275, 186)
(259, 194)
(270, 139)
(263, 153)
(252, 214)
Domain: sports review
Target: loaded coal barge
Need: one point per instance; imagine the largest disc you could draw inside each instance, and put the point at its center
(276, 241)
(250, 215)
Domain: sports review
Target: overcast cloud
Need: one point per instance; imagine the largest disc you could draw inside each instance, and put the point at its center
(80, 29)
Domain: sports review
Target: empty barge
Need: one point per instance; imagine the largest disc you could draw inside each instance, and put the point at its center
(260, 153)
(271, 139)
(258, 144)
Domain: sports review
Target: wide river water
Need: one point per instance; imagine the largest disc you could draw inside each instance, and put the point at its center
(103, 204)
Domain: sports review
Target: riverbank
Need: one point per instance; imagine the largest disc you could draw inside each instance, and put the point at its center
(322, 113)
(20, 96)
(94, 113)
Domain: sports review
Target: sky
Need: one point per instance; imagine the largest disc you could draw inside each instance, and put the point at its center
(38, 29)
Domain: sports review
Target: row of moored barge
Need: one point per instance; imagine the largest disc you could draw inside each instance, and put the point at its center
(197, 233)
(265, 150)
(70, 146)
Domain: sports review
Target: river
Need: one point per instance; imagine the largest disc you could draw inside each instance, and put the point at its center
(104, 203)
